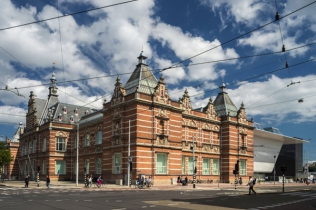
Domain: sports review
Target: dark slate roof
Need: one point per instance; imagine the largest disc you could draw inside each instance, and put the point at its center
(142, 78)
(49, 103)
(223, 104)
(40, 105)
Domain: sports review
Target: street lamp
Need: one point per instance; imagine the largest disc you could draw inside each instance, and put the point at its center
(274, 170)
(77, 162)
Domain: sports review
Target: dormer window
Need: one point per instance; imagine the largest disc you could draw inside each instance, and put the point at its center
(65, 110)
(76, 111)
(59, 117)
(72, 119)
(86, 112)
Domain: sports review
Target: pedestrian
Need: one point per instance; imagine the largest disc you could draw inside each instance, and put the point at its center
(27, 179)
(251, 184)
(90, 181)
(47, 182)
(240, 180)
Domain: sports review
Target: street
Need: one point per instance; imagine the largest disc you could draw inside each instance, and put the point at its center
(104, 198)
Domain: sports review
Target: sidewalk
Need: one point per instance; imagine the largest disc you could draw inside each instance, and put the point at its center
(214, 186)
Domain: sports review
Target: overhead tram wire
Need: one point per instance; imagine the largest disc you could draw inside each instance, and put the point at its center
(249, 32)
(270, 72)
(277, 17)
(71, 14)
(163, 69)
(61, 49)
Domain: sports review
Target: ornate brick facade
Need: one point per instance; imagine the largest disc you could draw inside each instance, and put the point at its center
(162, 133)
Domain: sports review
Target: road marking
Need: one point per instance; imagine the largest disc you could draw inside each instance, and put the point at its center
(144, 207)
(87, 200)
(152, 206)
(118, 201)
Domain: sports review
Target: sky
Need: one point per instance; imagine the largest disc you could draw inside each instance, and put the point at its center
(209, 42)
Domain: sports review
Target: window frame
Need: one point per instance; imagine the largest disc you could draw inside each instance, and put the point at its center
(87, 140)
(215, 170)
(44, 145)
(183, 164)
(44, 167)
(241, 168)
(163, 169)
(190, 166)
(62, 143)
(99, 137)
(87, 165)
(63, 171)
(98, 165)
(117, 166)
(206, 170)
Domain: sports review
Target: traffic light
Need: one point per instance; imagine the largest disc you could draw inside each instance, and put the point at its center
(234, 172)
(85, 169)
(237, 167)
(130, 166)
(38, 168)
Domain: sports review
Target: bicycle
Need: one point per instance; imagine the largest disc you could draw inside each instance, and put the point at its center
(145, 185)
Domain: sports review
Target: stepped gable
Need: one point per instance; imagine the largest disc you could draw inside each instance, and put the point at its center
(142, 78)
(223, 105)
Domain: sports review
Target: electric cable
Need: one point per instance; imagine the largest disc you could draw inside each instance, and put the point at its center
(71, 14)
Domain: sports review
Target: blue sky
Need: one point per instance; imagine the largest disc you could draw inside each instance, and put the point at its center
(106, 42)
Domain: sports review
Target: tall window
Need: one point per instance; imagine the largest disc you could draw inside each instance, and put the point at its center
(30, 147)
(60, 144)
(98, 166)
(206, 166)
(60, 167)
(190, 165)
(117, 163)
(215, 168)
(99, 137)
(161, 163)
(87, 140)
(242, 167)
(44, 145)
(183, 164)
(87, 165)
(44, 167)
(34, 146)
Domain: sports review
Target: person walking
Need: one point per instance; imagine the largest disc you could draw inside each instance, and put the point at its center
(27, 179)
(250, 184)
(47, 182)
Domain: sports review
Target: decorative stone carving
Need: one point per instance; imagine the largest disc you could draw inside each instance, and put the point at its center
(61, 134)
(162, 140)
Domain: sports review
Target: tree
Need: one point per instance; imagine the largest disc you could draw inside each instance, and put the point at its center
(5, 155)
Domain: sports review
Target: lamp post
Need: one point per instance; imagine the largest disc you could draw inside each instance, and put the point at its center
(194, 167)
(77, 149)
(274, 170)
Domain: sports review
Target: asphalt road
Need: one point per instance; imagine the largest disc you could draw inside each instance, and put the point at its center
(102, 198)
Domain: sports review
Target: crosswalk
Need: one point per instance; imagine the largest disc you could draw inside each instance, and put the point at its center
(310, 194)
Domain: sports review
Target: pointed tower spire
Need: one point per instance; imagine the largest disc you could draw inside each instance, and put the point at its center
(53, 88)
(223, 105)
(142, 78)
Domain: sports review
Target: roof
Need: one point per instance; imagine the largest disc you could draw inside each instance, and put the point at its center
(223, 104)
(141, 79)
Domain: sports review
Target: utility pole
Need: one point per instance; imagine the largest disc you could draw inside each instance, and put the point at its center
(77, 149)
(194, 167)
(129, 155)
(274, 170)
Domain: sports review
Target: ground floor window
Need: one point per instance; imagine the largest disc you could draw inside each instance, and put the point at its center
(161, 163)
(87, 165)
(242, 167)
(60, 167)
(117, 159)
(190, 165)
(206, 166)
(98, 166)
(215, 167)
(183, 165)
(44, 167)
